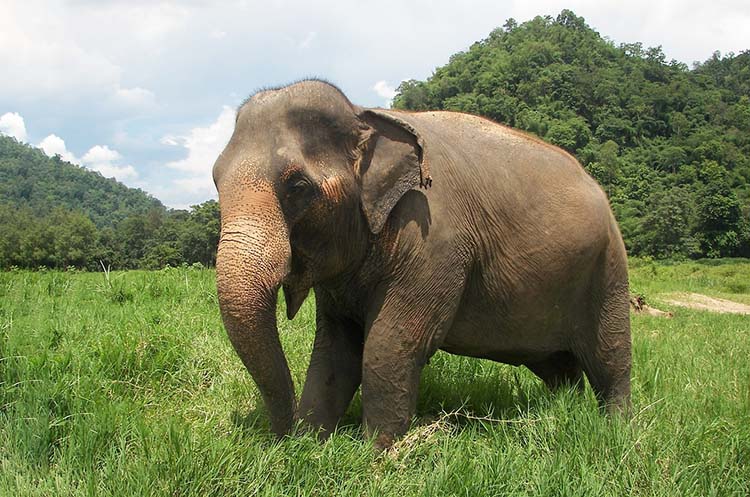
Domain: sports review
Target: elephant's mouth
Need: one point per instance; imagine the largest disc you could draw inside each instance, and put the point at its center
(296, 285)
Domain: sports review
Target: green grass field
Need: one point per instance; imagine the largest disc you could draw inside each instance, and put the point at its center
(127, 385)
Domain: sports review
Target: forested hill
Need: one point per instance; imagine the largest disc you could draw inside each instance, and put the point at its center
(669, 144)
(28, 178)
(58, 215)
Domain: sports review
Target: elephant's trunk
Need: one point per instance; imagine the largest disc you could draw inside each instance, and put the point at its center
(252, 260)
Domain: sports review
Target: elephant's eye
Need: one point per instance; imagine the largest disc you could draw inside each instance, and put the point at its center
(297, 197)
(299, 184)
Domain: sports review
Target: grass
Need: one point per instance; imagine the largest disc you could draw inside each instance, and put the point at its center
(125, 384)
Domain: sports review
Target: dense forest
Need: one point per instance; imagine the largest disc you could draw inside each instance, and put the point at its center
(58, 215)
(28, 178)
(670, 145)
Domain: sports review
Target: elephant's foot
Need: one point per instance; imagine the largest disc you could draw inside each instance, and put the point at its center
(615, 397)
(383, 441)
(321, 430)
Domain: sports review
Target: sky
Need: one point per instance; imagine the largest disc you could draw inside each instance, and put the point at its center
(145, 91)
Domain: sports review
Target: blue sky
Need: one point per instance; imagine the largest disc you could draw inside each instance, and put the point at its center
(145, 91)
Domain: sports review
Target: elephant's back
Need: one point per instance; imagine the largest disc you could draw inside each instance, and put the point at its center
(480, 143)
(475, 154)
(469, 127)
(515, 181)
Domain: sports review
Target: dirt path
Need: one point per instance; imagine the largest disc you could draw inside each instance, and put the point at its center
(706, 303)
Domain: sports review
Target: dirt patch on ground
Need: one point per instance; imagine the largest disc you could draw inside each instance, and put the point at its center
(706, 303)
(639, 306)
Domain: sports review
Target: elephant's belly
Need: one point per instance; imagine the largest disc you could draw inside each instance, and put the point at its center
(516, 357)
(521, 309)
(517, 330)
(502, 341)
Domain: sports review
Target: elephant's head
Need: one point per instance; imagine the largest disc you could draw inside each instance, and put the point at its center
(305, 183)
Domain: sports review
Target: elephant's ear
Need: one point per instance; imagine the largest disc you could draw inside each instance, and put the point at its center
(391, 162)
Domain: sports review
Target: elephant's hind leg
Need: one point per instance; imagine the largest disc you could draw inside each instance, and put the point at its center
(605, 356)
(560, 370)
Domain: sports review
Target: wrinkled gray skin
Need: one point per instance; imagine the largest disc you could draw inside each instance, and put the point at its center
(510, 253)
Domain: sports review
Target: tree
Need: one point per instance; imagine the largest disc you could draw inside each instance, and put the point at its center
(571, 134)
(607, 169)
(200, 236)
(719, 217)
(76, 241)
(667, 224)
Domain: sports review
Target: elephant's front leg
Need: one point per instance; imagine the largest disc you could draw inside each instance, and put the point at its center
(334, 374)
(408, 329)
(391, 369)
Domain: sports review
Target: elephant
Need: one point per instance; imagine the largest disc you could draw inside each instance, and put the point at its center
(417, 231)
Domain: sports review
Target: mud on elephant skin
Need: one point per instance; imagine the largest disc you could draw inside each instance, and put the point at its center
(417, 232)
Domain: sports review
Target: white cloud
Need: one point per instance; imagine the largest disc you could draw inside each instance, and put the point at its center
(99, 158)
(134, 98)
(181, 193)
(54, 145)
(151, 22)
(37, 49)
(203, 145)
(120, 173)
(103, 159)
(170, 140)
(386, 91)
(307, 40)
(198, 188)
(101, 154)
(73, 53)
(11, 124)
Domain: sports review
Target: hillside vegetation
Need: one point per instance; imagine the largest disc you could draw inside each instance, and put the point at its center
(57, 215)
(30, 179)
(669, 144)
(125, 384)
